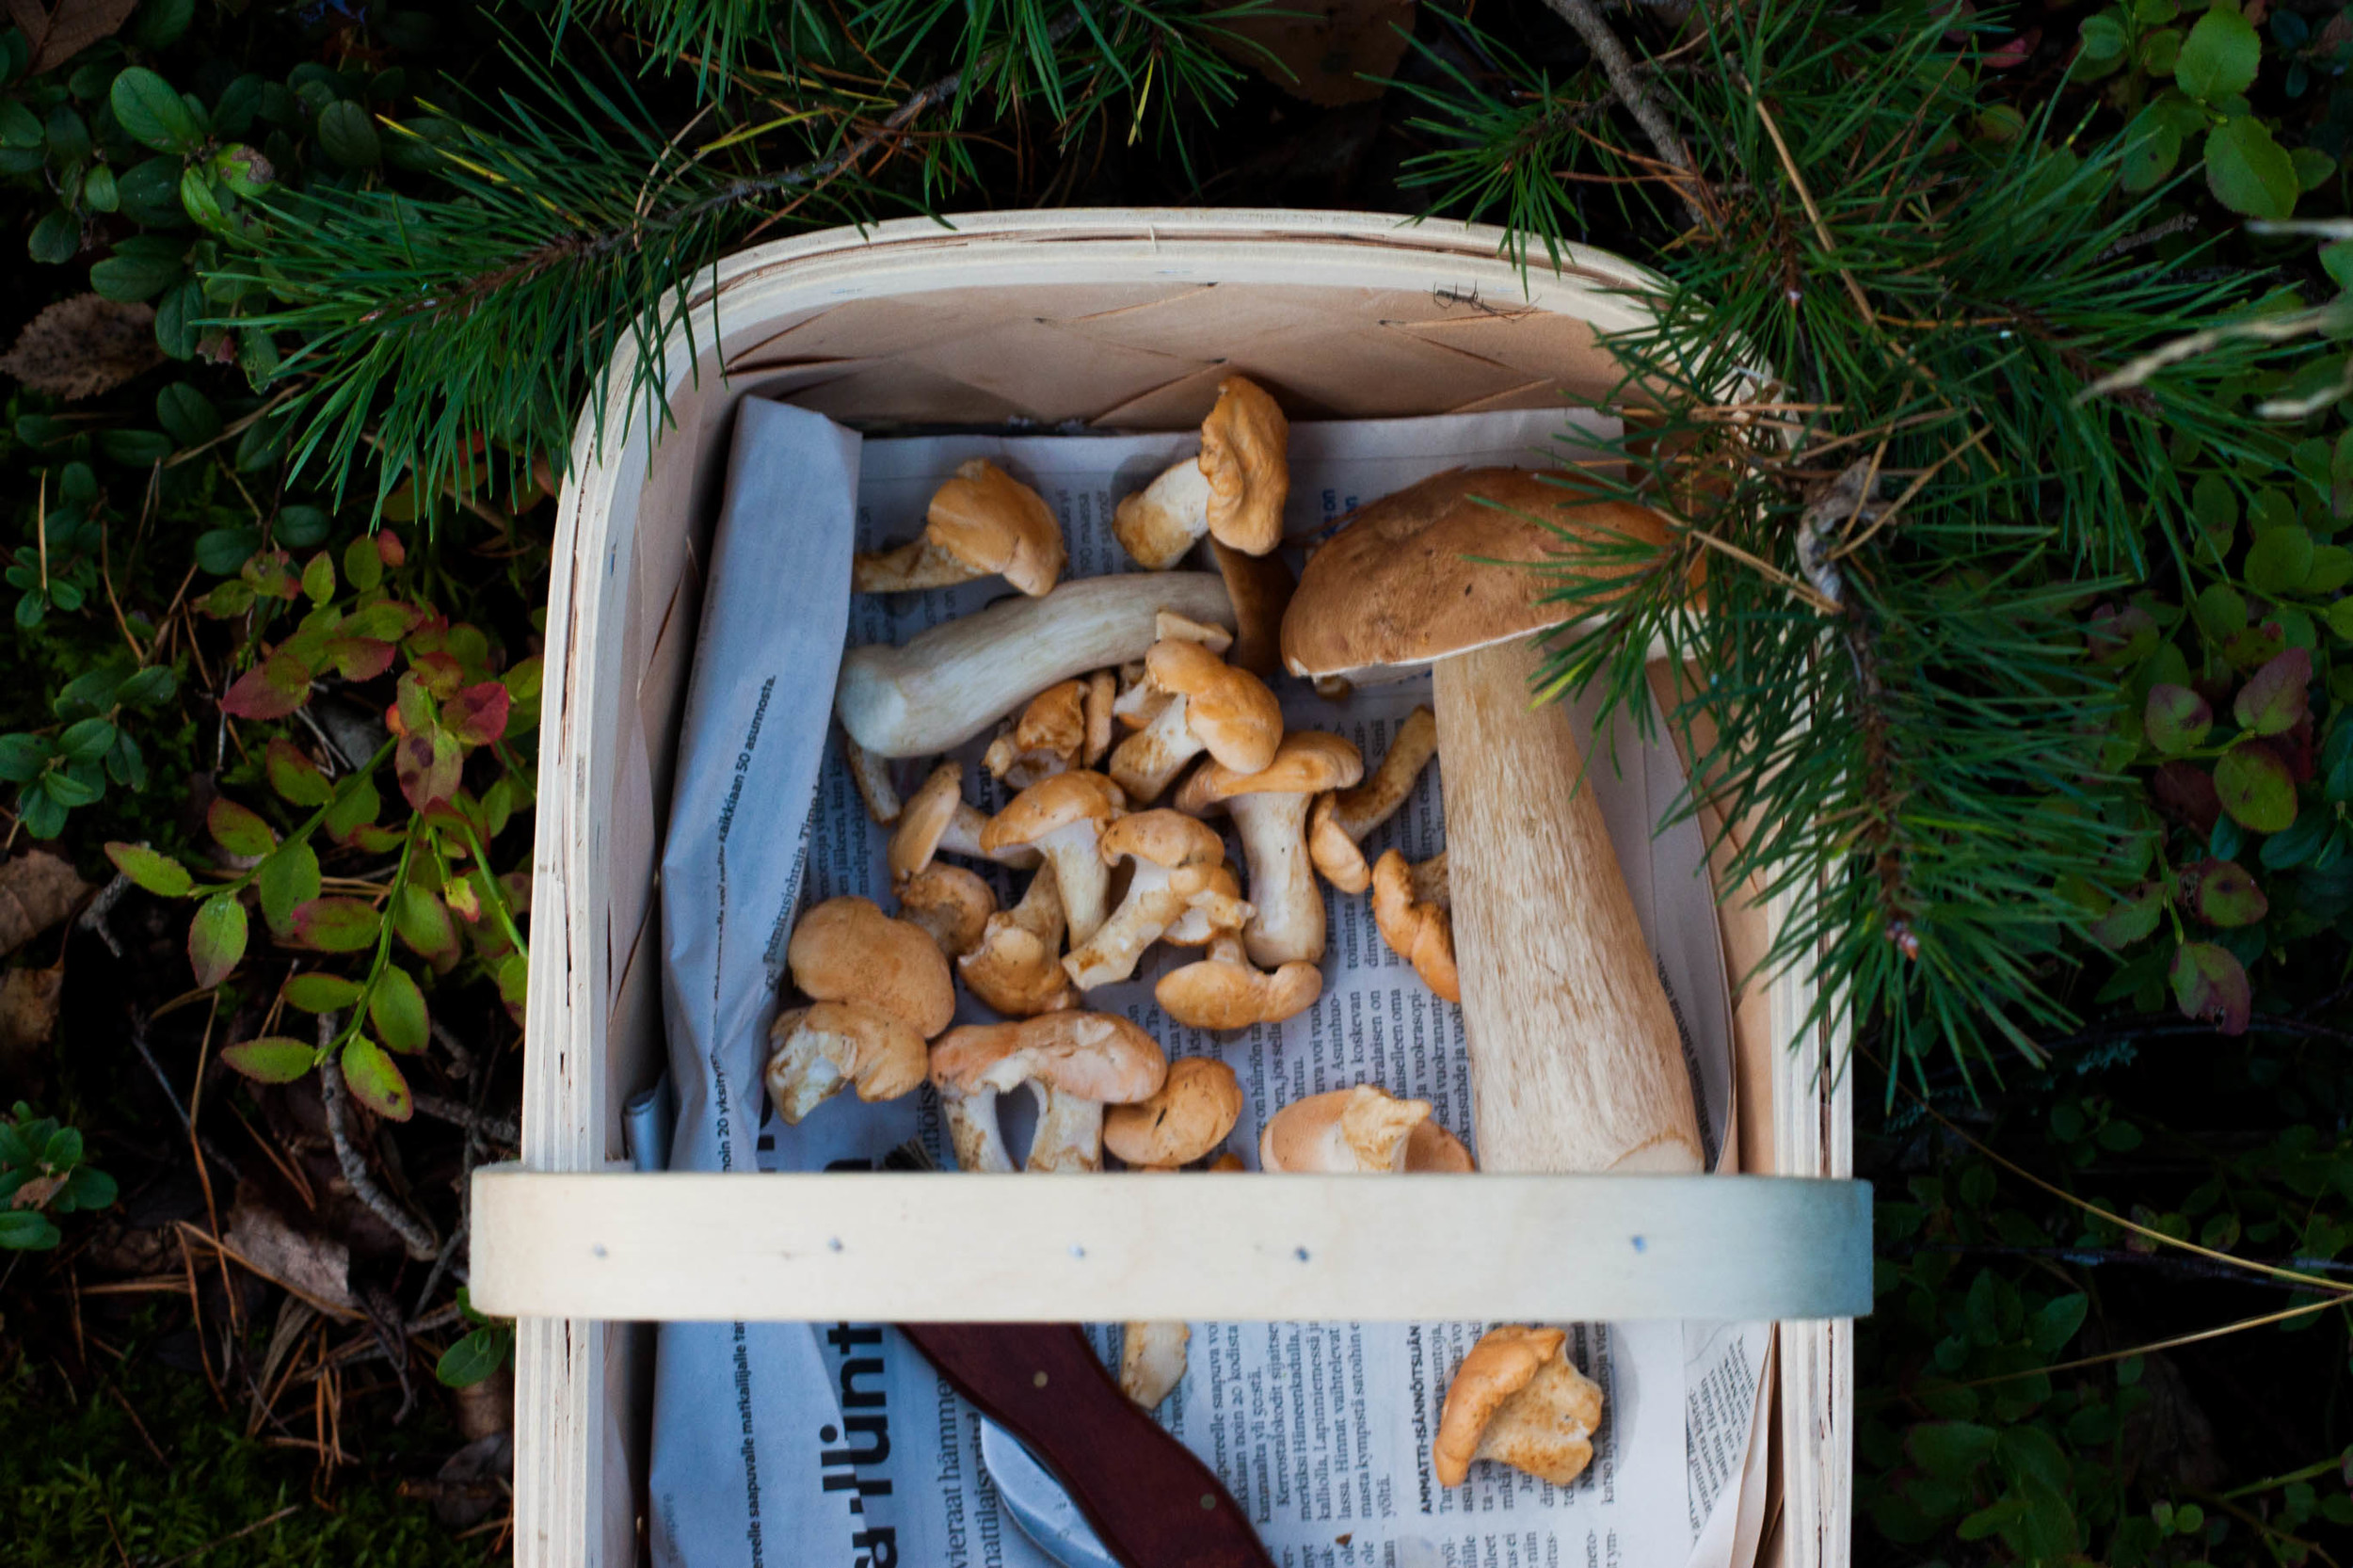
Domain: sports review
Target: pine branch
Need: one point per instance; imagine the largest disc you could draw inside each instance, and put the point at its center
(1626, 83)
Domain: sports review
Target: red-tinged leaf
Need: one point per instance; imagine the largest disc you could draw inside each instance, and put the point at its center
(287, 880)
(2176, 719)
(2255, 786)
(272, 1059)
(233, 598)
(271, 690)
(335, 925)
(355, 810)
(2276, 695)
(422, 921)
(2294, 747)
(318, 577)
(388, 549)
(477, 716)
(239, 831)
(216, 938)
(372, 839)
(2186, 793)
(414, 711)
(2130, 919)
(464, 899)
(294, 776)
(2120, 635)
(396, 1008)
(438, 672)
(320, 992)
(2222, 893)
(387, 620)
(517, 887)
(159, 874)
(360, 658)
(268, 575)
(374, 1080)
(429, 766)
(514, 977)
(2211, 985)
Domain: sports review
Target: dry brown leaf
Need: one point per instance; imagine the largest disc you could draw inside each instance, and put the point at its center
(85, 345)
(1327, 46)
(38, 1190)
(37, 891)
(316, 1265)
(57, 36)
(28, 1009)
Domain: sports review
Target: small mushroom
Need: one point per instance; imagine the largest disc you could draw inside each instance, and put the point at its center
(1519, 1400)
(1211, 707)
(951, 904)
(1411, 907)
(1363, 1129)
(871, 775)
(1194, 928)
(937, 818)
(1062, 819)
(982, 520)
(1074, 1064)
(817, 1051)
(1191, 1114)
(1102, 691)
(1047, 740)
(847, 949)
(1270, 810)
(1226, 990)
(1172, 855)
(1234, 491)
(1340, 820)
(1152, 1361)
(1016, 969)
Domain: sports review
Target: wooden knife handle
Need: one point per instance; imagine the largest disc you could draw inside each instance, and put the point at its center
(1150, 1500)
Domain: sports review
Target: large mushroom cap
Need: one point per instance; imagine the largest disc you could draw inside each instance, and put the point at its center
(992, 522)
(1092, 1056)
(847, 949)
(1517, 1399)
(1049, 804)
(1196, 1108)
(1415, 577)
(1308, 762)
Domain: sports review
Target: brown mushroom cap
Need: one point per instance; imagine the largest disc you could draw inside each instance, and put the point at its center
(819, 1050)
(1092, 1056)
(1231, 710)
(1226, 990)
(924, 820)
(1415, 577)
(1196, 927)
(989, 520)
(1196, 1108)
(1517, 1399)
(1017, 968)
(1245, 455)
(1308, 762)
(1046, 739)
(1049, 804)
(847, 949)
(952, 904)
(1165, 838)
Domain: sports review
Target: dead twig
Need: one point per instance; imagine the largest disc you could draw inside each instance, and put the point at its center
(411, 1231)
(93, 918)
(498, 1129)
(1626, 81)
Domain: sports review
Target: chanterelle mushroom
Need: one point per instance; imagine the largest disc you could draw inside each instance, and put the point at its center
(1047, 740)
(1411, 907)
(951, 904)
(1363, 1129)
(1062, 819)
(1340, 821)
(1016, 969)
(819, 1050)
(1075, 1064)
(1519, 1400)
(937, 818)
(1233, 492)
(1195, 1107)
(982, 520)
(847, 949)
(1173, 855)
(1211, 707)
(1270, 807)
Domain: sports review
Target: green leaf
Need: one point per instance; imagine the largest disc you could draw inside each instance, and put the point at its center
(2313, 167)
(159, 874)
(348, 136)
(55, 240)
(147, 687)
(476, 1356)
(289, 879)
(271, 690)
(2210, 985)
(2276, 696)
(2255, 788)
(2248, 171)
(2055, 1324)
(25, 1230)
(2278, 561)
(239, 831)
(514, 977)
(87, 741)
(376, 1080)
(396, 1008)
(2102, 36)
(2221, 610)
(335, 925)
(1950, 1448)
(2130, 919)
(318, 992)
(318, 577)
(146, 107)
(423, 922)
(361, 565)
(2219, 57)
(216, 938)
(1993, 1518)
(272, 1059)
(2337, 260)
(2223, 893)
(294, 776)
(129, 278)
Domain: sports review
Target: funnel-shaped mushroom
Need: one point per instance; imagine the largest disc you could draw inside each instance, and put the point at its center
(1519, 1400)
(981, 521)
(1340, 821)
(1233, 492)
(1172, 856)
(1016, 969)
(1226, 990)
(1075, 1064)
(1045, 740)
(1270, 807)
(847, 949)
(1363, 1129)
(937, 820)
(1194, 1110)
(1412, 906)
(819, 1050)
(1585, 1070)
(1063, 817)
(950, 905)
(1211, 707)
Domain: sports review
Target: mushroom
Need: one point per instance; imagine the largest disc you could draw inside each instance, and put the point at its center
(1260, 589)
(948, 684)
(1234, 491)
(1045, 741)
(1211, 707)
(1413, 908)
(1226, 990)
(1173, 855)
(1519, 1400)
(1062, 819)
(1340, 821)
(938, 818)
(1141, 697)
(817, 1051)
(1191, 1114)
(1270, 807)
(847, 949)
(982, 520)
(1192, 929)
(871, 775)
(1152, 1361)
(950, 905)
(1363, 1129)
(1074, 1064)
(1016, 969)
(1585, 1070)
(1102, 689)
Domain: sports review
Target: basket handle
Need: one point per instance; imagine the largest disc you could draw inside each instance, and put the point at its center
(1230, 1247)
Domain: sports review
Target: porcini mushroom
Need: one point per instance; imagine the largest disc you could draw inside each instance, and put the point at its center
(1074, 1064)
(817, 1051)
(1211, 707)
(1234, 491)
(1191, 1114)
(937, 818)
(1363, 1129)
(1046, 739)
(945, 685)
(981, 521)
(1413, 906)
(1016, 969)
(1584, 1071)
(847, 949)
(1519, 1400)
(1062, 819)
(950, 905)
(1338, 822)
(1172, 856)
(1270, 807)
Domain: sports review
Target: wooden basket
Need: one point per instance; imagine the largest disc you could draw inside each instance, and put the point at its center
(1124, 318)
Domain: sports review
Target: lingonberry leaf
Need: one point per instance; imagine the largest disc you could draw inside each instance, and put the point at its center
(2211, 985)
(335, 925)
(376, 1080)
(271, 1058)
(159, 874)
(216, 938)
(2176, 719)
(2119, 635)
(2255, 788)
(2276, 695)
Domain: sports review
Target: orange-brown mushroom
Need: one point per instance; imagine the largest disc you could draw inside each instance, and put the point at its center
(1517, 1399)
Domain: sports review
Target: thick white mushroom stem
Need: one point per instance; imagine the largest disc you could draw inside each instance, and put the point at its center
(1158, 523)
(1148, 761)
(1068, 1136)
(1288, 926)
(1152, 1361)
(973, 1133)
(1080, 874)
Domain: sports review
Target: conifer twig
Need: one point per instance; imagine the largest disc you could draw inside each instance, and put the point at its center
(1626, 81)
